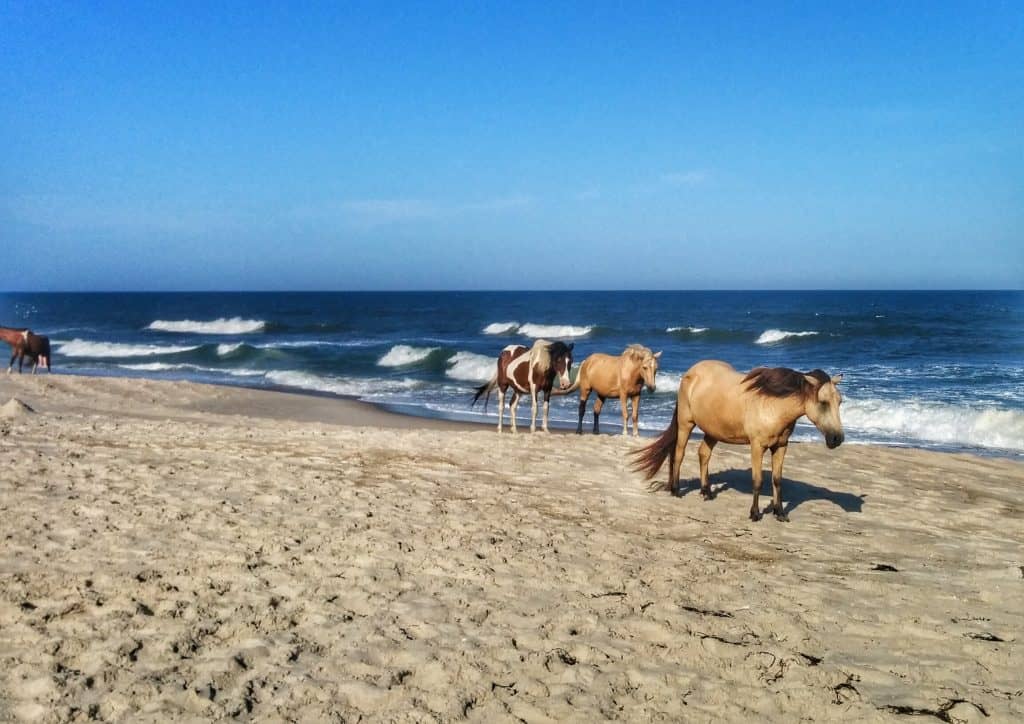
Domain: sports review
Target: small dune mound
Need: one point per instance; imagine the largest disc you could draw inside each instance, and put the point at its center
(14, 408)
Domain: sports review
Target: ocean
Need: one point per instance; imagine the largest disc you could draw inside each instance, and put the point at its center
(939, 370)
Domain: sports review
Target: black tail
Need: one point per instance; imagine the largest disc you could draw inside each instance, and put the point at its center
(648, 460)
(486, 387)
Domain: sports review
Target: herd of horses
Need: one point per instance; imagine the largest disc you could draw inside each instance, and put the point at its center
(759, 408)
(26, 343)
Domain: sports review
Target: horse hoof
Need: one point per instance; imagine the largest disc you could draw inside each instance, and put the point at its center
(755, 515)
(707, 494)
(782, 517)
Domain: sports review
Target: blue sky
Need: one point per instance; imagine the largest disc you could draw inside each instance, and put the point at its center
(158, 146)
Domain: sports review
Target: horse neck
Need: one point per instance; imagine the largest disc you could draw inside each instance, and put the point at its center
(11, 336)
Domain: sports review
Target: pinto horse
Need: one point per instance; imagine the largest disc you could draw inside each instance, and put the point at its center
(623, 377)
(527, 372)
(759, 408)
(15, 338)
(34, 346)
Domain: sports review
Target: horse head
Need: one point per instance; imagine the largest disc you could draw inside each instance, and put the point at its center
(822, 406)
(561, 363)
(649, 369)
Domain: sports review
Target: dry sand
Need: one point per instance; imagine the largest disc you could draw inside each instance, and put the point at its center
(178, 551)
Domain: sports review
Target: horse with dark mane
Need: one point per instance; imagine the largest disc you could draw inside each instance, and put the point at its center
(34, 346)
(759, 409)
(528, 371)
(14, 337)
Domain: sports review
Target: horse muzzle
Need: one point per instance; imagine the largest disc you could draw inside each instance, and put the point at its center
(834, 440)
(650, 388)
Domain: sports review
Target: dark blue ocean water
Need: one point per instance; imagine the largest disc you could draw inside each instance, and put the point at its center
(926, 369)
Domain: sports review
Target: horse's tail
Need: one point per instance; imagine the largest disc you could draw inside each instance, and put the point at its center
(487, 387)
(648, 460)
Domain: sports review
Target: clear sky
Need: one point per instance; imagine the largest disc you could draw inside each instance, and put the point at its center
(171, 145)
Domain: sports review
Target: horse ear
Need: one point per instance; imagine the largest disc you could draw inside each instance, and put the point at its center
(837, 379)
(657, 355)
(812, 381)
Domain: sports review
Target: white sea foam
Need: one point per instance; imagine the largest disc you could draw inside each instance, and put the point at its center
(85, 348)
(350, 386)
(225, 349)
(771, 336)
(234, 325)
(936, 423)
(471, 367)
(166, 367)
(501, 328)
(554, 331)
(667, 382)
(691, 330)
(402, 354)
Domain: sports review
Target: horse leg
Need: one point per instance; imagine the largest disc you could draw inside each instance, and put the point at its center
(778, 455)
(11, 365)
(547, 408)
(533, 409)
(512, 409)
(636, 416)
(624, 403)
(598, 404)
(756, 457)
(683, 430)
(501, 407)
(584, 396)
(707, 445)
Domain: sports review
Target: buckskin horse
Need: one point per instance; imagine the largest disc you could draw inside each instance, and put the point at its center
(759, 408)
(623, 376)
(528, 372)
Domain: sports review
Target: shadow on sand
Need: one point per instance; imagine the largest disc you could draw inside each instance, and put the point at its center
(794, 492)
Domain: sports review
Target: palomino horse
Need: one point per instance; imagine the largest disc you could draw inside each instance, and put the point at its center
(528, 371)
(13, 337)
(760, 409)
(34, 346)
(623, 377)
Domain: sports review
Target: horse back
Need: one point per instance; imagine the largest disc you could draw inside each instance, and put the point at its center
(713, 393)
(600, 373)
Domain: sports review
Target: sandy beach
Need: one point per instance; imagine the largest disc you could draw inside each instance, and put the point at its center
(172, 550)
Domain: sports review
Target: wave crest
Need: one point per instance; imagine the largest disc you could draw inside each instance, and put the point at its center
(556, 331)
(937, 423)
(402, 354)
(501, 328)
(234, 325)
(471, 367)
(691, 330)
(773, 336)
(347, 386)
(85, 348)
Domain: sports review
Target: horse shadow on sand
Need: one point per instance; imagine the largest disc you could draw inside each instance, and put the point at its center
(794, 492)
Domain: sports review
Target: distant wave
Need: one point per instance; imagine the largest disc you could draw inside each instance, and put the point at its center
(471, 367)
(691, 330)
(667, 382)
(401, 355)
(234, 325)
(85, 348)
(772, 336)
(937, 423)
(554, 331)
(348, 386)
(501, 328)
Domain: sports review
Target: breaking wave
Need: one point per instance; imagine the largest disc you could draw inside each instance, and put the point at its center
(226, 349)
(691, 330)
(85, 348)
(556, 331)
(501, 328)
(937, 423)
(401, 355)
(234, 325)
(471, 367)
(167, 367)
(772, 336)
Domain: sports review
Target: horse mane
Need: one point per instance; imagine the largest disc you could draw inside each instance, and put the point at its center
(781, 381)
(638, 351)
(540, 356)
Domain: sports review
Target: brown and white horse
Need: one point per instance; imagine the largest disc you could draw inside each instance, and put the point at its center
(527, 372)
(759, 409)
(34, 346)
(15, 338)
